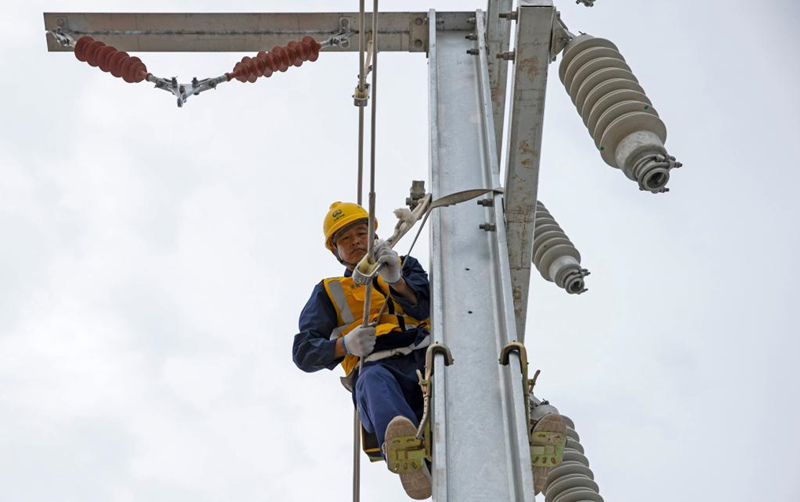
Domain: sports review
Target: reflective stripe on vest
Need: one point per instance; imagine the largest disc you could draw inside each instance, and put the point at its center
(348, 301)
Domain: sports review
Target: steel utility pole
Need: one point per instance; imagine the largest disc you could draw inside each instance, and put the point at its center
(481, 254)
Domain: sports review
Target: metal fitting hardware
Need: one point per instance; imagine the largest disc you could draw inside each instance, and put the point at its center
(472, 52)
(588, 3)
(425, 384)
(417, 192)
(63, 39)
(360, 98)
(519, 348)
(508, 56)
(486, 202)
(489, 227)
(511, 16)
(472, 36)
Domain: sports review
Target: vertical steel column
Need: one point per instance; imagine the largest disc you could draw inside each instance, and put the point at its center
(481, 450)
(531, 57)
(498, 36)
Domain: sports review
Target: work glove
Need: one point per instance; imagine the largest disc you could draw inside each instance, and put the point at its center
(360, 341)
(390, 271)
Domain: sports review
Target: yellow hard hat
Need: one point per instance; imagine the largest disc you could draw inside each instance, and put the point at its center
(339, 216)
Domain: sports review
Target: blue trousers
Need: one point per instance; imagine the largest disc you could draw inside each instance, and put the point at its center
(387, 388)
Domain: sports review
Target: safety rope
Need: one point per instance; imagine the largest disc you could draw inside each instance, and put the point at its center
(360, 101)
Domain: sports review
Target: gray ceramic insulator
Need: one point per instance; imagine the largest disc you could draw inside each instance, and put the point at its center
(572, 480)
(615, 109)
(554, 255)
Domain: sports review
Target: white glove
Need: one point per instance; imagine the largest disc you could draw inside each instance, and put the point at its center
(360, 341)
(390, 271)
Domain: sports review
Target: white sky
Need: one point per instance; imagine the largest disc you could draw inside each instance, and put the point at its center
(154, 260)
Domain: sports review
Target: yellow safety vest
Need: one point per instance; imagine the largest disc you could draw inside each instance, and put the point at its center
(348, 300)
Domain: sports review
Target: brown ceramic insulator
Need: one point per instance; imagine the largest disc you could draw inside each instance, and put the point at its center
(295, 51)
(313, 48)
(265, 64)
(80, 48)
(109, 59)
(282, 56)
(278, 59)
(103, 55)
(91, 52)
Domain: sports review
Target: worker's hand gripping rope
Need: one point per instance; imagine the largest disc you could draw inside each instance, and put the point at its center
(370, 264)
(389, 266)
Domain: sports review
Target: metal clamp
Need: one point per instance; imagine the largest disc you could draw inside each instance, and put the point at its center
(424, 429)
(341, 39)
(523, 362)
(360, 98)
(63, 39)
(184, 91)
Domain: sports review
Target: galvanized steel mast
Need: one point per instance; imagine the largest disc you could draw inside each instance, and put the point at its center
(481, 254)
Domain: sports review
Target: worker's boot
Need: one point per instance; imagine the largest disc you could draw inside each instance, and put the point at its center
(405, 455)
(548, 437)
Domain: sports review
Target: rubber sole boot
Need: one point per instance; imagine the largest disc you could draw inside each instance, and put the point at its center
(416, 483)
(549, 431)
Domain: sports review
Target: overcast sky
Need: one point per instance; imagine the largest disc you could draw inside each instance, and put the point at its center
(154, 260)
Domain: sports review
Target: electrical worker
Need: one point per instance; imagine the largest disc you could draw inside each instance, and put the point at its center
(392, 346)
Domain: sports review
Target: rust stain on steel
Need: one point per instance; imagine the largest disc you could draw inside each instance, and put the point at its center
(525, 148)
(530, 66)
(495, 91)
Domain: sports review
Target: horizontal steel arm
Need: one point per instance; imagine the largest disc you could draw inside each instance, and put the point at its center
(243, 32)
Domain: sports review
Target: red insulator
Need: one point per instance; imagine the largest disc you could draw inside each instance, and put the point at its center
(278, 59)
(109, 59)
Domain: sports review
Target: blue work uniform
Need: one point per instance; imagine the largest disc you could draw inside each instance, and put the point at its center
(386, 387)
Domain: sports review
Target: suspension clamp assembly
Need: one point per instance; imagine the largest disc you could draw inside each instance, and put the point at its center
(184, 91)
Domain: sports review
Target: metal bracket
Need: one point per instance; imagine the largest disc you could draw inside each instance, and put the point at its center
(63, 39)
(417, 192)
(560, 38)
